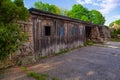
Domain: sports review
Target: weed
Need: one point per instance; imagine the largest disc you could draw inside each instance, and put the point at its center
(23, 69)
(37, 76)
(89, 43)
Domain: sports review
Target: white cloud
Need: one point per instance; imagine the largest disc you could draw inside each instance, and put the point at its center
(116, 17)
(105, 5)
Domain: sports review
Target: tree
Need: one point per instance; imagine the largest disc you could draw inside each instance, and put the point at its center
(64, 11)
(12, 11)
(96, 17)
(79, 12)
(11, 35)
(111, 24)
(47, 7)
(117, 22)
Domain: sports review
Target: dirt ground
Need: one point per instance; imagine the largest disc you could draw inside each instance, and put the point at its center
(98, 62)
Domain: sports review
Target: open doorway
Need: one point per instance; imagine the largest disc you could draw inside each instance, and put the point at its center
(88, 32)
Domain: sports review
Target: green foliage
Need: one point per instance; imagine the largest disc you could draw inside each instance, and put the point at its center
(12, 11)
(24, 69)
(84, 18)
(116, 21)
(115, 35)
(82, 13)
(37, 76)
(47, 7)
(19, 3)
(64, 12)
(10, 39)
(89, 43)
(11, 35)
(79, 12)
(111, 24)
(61, 52)
(96, 17)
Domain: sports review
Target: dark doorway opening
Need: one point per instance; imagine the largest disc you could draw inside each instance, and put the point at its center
(88, 32)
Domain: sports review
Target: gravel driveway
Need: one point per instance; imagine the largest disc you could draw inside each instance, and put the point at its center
(86, 63)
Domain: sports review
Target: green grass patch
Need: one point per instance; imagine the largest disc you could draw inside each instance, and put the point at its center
(89, 43)
(117, 39)
(37, 76)
(61, 52)
(23, 69)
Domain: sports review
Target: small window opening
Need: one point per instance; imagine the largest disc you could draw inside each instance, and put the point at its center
(47, 31)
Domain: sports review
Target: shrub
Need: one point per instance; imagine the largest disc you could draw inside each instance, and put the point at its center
(10, 39)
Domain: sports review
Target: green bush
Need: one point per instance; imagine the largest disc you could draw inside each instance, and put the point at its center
(11, 35)
(10, 39)
(115, 35)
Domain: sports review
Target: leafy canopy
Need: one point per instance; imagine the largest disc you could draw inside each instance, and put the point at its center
(116, 22)
(77, 12)
(47, 7)
(96, 17)
(10, 33)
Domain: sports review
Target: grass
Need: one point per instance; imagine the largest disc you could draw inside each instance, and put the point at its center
(61, 52)
(89, 43)
(38, 76)
(23, 69)
(115, 39)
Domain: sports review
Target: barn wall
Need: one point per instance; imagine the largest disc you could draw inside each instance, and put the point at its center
(63, 35)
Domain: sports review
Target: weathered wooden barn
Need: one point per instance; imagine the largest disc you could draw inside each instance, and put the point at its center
(50, 33)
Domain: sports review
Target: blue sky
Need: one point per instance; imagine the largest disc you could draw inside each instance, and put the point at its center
(109, 8)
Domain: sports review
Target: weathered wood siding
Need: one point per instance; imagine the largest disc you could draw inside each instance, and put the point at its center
(63, 35)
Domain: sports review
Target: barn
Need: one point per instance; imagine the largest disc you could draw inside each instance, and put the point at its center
(50, 33)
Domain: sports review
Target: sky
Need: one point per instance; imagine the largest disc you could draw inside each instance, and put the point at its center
(109, 8)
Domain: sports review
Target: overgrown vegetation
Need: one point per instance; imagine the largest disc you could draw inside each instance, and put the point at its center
(89, 43)
(38, 76)
(77, 12)
(11, 35)
(115, 35)
(115, 30)
(24, 69)
(116, 22)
